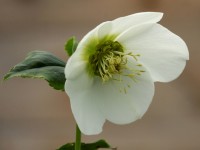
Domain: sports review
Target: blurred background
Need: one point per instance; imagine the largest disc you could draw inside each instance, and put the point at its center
(33, 116)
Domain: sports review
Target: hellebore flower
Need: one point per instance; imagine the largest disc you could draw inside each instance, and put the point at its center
(111, 75)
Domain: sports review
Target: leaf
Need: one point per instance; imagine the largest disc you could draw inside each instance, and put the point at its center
(71, 46)
(40, 64)
(89, 146)
(96, 145)
(68, 146)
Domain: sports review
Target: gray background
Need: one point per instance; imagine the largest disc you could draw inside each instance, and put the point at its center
(33, 116)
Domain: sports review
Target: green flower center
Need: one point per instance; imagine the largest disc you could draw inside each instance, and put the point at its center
(109, 59)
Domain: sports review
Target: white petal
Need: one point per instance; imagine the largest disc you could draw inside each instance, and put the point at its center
(104, 30)
(91, 39)
(113, 28)
(123, 23)
(93, 101)
(84, 106)
(163, 53)
(75, 65)
(126, 101)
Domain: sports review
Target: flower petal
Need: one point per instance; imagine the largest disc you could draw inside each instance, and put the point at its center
(104, 30)
(120, 102)
(75, 65)
(111, 29)
(124, 101)
(84, 105)
(91, 39)
(123, 23)
(163, 53)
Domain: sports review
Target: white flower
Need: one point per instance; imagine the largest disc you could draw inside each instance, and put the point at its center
(111, 75)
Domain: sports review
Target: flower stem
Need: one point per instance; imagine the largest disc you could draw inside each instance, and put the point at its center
(78, 139)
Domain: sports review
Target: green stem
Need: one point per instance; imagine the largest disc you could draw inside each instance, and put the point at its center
(78, 139)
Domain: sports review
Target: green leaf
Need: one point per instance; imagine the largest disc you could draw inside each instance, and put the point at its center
(68, 146)
(71, 46)
(40, 64)
(89, 146)
(96, 145)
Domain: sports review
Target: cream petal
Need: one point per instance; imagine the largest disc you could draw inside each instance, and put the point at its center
(120, 102)
(125, 101)
(91, 39)
(84, 106)
(104, 30)
(123, 23)
(162, 52)
(113, 28)
(88, 43)
(75, 65)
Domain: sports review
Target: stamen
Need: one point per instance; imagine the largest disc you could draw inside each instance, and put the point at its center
(110, 59)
